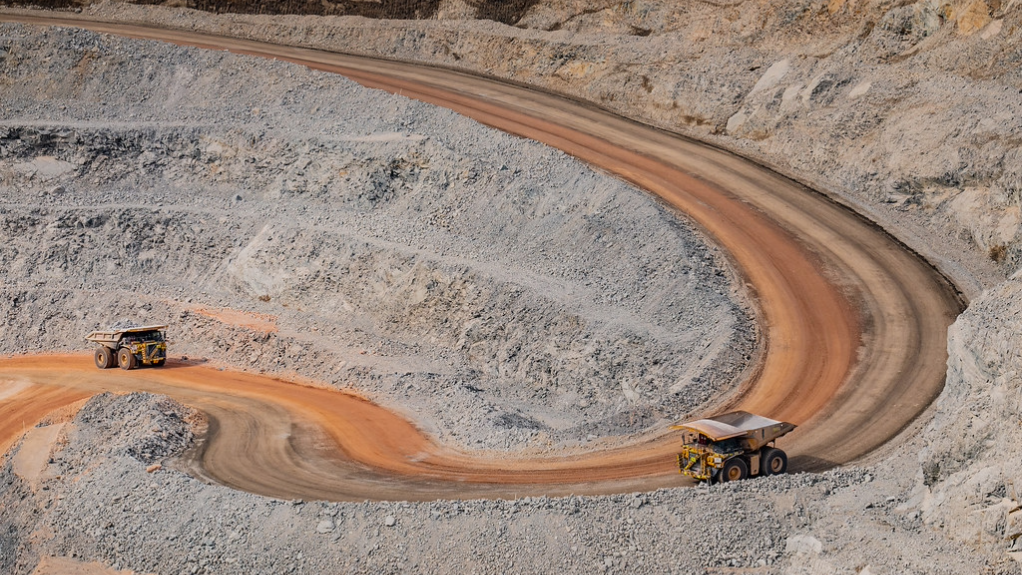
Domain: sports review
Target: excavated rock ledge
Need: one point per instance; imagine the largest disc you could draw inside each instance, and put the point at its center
(971, 478)
(98, 503)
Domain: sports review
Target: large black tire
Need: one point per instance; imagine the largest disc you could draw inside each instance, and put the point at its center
(773, 461)
(104, 358)
(734, 469)
(125, 358)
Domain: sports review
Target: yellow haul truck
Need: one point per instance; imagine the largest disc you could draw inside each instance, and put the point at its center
(130, 347)
(731, 446)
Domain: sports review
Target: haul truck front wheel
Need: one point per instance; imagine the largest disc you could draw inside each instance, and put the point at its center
(125, 359)
(734, 469)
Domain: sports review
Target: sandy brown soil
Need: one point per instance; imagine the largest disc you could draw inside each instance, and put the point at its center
(65, 566)
(30, 462)
(259, 322)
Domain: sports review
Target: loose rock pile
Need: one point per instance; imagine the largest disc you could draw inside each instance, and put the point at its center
(101, 504)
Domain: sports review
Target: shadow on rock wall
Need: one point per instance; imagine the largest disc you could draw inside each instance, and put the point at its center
(509, 12)
(506, 12)
(390, 9)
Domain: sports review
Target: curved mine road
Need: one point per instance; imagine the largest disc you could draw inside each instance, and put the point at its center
(853, 324)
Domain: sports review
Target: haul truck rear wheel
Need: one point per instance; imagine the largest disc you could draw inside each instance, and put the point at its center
(104, 358)
(774, 461)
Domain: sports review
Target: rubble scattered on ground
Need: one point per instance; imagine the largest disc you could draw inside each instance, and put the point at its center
(103, 506)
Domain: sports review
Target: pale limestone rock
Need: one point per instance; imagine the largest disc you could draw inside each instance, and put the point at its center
(993, 29)
(972, 18)
(803, 545)
(860, 89)
(789, 100)
(44, 167)
(734, 123)
(772, 76)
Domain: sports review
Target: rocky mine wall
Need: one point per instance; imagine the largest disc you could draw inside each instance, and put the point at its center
(970, 478)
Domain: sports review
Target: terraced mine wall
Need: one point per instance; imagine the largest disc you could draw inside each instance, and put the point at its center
(906, 112)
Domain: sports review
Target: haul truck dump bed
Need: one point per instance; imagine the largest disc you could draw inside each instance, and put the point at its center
(732, 446)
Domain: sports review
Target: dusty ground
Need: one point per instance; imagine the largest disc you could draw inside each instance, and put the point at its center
(837, 522)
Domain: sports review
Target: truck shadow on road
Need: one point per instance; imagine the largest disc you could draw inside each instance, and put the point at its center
(178, 363)
(809, 464)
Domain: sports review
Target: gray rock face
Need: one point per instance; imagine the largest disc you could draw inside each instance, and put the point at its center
(970, 472)
(903, 110)
(100, 504)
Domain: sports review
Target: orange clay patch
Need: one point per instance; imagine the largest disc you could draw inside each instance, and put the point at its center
(65, 566)
(250, 320)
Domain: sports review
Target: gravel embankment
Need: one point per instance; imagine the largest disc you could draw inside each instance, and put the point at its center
(104, 506)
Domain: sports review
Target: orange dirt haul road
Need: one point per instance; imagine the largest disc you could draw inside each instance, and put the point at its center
(853, 324)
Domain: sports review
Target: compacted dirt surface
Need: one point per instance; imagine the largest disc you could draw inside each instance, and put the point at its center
(852, 346)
